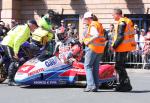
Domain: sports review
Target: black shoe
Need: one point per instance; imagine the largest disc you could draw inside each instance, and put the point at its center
(11, 83)
(125, 88)
(124, 85)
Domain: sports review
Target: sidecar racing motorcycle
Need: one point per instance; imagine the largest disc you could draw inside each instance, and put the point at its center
(58, 70)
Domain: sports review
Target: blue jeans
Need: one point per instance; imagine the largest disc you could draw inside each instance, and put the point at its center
(91, 65)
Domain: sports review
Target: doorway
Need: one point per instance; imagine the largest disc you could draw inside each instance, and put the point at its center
(71, 19)
(142, 20)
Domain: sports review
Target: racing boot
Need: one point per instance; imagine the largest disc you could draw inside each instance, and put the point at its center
(11, 74)
(12, 83)
(124, 86)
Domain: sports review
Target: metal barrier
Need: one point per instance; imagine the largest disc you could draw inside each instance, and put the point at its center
(135, 59)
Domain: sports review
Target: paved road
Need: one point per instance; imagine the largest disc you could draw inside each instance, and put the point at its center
(141, 93)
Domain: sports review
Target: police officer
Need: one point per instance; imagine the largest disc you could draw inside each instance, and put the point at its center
(95, 44)
(46, 21)
(11, 45)
(123, 42)
(3, 30)
(40, 42)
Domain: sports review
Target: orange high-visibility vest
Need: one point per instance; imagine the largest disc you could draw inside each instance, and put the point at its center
(98, 44)
(128, 43)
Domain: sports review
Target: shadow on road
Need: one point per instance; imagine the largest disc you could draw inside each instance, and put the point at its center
(62, 86)
(134, 91)
(50, 87)
(140, 91)
(102, 89)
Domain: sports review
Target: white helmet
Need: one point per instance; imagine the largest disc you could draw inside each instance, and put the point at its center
(87, 15)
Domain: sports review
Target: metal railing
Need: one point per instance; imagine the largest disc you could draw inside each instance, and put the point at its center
(135, 59)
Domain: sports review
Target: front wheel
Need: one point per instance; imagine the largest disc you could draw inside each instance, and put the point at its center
(3, 74)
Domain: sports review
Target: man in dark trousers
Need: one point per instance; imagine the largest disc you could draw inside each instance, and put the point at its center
(12, 43)
(123, 42)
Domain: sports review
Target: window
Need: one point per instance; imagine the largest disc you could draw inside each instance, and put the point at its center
(142, 20)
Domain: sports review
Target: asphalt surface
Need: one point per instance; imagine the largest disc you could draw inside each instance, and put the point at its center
(140, 80)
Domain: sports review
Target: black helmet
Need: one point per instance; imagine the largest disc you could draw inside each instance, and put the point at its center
(32, 22)
(51, 13)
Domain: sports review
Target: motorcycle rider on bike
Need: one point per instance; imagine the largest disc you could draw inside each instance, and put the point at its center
(12, 43)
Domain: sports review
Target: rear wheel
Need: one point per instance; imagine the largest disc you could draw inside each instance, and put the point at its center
(110, 84)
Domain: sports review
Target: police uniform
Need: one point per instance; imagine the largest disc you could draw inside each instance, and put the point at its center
(41, 39)
(11, 44)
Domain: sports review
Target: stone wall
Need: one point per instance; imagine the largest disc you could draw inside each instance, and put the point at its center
(102, 8)
(24, 9)
(10, 9)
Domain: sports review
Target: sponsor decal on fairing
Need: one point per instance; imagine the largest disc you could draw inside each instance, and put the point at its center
(36, 72)
(45, 82)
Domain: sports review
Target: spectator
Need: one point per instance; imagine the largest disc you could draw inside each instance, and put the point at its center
(137, 35)
(69, 30)
(137, 31)
(111, 33)
(138, 55)
(7, 26)
(3, 29)
(146, 49)
(141, 39)
(14, 23)
(62, 27)
(108, 54)
(148, 32)
(72, 31)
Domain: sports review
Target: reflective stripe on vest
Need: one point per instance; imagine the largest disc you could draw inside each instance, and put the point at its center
(129, 40)
(98, 44)
(128, 43)
(100, 37)
(129, 33)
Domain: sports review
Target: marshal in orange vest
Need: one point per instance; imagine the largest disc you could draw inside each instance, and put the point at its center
(128, 43)
(98, 44)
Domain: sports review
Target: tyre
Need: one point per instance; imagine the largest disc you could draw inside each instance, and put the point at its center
(3, 74)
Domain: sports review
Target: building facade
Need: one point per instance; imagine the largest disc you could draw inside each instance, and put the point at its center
(23, 10)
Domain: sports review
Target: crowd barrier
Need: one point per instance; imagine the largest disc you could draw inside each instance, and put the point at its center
(135, 59)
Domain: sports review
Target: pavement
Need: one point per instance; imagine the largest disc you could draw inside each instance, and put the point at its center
(140, 79)
(130, 70)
